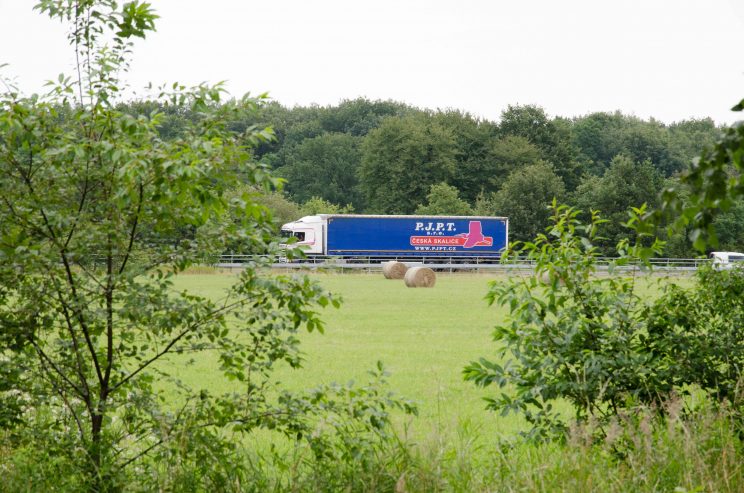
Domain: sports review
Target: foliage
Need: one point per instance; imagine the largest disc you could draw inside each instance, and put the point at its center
(346, 424)
(624, 183)
(715, 182)
(487, 161)
(443, 200)
(688, 138)
(282, 209)
(641, 453)
(525, 197)
(593, 340)
(729, 226)
(700, 331)
(571, 334)
(316, 205)
(551, 136)
(99, 215)
(474, 166)
(357, 117)
(602, 136)
(320, 149)
(401, 159)
(511, 153)
(324, 166)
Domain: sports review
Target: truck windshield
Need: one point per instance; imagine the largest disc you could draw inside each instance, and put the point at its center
(300, 235)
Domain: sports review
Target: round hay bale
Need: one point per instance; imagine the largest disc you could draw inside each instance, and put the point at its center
(420, 277)
(544, 278)
(394, 270)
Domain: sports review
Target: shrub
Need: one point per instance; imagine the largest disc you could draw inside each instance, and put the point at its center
(591, 339)
(699, 332)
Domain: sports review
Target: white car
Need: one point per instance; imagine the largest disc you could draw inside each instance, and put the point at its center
(727, 260)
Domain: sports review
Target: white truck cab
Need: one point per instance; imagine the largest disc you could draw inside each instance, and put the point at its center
(727, 260)
(309, 233)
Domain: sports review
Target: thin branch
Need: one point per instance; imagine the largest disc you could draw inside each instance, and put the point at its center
(77, 53)
(79, 314)
(133, 231)
(59, 372)
(83, 197)
(70, 279)
(209, 317)
(109, 294)
(91, 276)
(73, 336)
(160, 441)
(22, 221)
(66, 401)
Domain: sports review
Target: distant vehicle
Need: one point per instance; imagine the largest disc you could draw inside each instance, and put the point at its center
(727, 260)
(352, 235)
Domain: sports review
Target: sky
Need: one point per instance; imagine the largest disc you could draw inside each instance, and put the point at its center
(666, 59)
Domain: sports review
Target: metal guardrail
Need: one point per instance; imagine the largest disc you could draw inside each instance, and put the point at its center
(444, 263)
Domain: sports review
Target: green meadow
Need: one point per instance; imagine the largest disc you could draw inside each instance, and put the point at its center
(424, 338)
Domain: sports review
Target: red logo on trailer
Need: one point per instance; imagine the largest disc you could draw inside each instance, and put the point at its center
(473, 238)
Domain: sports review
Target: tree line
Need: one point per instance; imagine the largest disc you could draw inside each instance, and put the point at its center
(385, 157)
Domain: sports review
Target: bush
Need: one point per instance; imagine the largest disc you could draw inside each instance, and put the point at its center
(591, 339)
(699, 332)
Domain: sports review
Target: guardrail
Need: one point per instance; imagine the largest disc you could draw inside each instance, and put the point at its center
(443, 263)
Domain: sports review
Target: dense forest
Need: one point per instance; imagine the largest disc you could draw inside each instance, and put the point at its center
(387, 157)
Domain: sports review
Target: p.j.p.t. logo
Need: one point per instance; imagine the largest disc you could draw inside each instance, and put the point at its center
(436, 235)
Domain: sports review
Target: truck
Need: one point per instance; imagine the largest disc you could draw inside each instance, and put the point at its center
(399, 236)
(727, 260)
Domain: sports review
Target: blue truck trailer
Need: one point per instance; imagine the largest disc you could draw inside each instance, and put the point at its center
(353, 235)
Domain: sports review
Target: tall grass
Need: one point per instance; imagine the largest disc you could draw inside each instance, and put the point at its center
(425, 337)
(703, 452)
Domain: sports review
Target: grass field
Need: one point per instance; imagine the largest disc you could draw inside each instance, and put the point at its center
(424, 337)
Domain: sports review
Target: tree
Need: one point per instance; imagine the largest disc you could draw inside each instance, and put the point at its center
(715, 182)
(525, 198)
(597, 342)
(688, 138)
(624, 183)
(88, 313)
(473, 163)
(290, 126)
(729, 227)
(401, 159)
(359, 116)
(569, 334)
(649, 141)
(511, 153)
(598, 137)
(444, 200)
(553, 138)
(602, 136)
(325, 166)
(282, 210)
(317, 205)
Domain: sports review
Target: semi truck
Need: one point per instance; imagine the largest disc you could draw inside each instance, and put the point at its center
(727, 260)
(354, 235)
